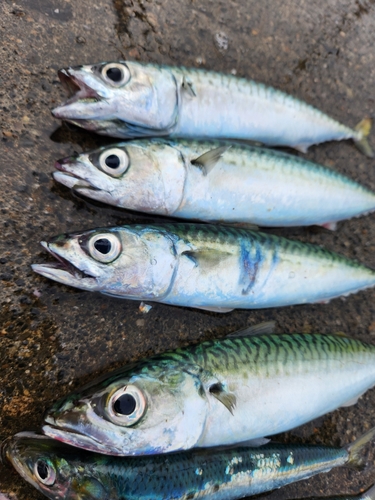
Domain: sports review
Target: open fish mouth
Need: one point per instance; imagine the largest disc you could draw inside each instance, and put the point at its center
(69, 179)
(76, 88)
(64, 271)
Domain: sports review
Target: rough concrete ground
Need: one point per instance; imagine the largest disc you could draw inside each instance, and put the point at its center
(54, 338)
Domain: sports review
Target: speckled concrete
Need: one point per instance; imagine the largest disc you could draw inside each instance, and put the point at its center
(53, 338)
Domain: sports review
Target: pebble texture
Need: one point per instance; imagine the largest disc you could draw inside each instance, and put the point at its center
(54, 338)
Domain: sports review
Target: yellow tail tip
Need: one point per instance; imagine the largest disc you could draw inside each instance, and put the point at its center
(364, 129)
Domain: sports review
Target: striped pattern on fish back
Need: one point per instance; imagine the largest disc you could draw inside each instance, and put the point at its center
(229, 239)
(242, 155)
(268, 355)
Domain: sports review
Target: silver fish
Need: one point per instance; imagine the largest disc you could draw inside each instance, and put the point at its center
(208, 267)
(215, 182)
(220, 392)
(130, 99)
(62, 472)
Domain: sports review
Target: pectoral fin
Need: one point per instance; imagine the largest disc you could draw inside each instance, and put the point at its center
(88, 488)
(221, 394)
(207, 161)
(207, 259)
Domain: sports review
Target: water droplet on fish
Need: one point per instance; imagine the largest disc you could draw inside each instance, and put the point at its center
(292, 274)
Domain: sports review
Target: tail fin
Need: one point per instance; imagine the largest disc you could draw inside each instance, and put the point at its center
(363, 128)
(369, 494)
(355, 449)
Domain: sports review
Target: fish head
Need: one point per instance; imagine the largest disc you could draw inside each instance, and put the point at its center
(127, 261)
(37, 459)
(151, 410)
(143, 96)
(146, 176)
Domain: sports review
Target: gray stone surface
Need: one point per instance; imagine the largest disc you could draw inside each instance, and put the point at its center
(53, 338)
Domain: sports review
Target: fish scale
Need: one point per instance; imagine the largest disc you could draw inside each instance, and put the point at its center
(220, 474)
(218, 392)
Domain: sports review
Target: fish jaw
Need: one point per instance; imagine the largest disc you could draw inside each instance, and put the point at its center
(63, 271)
(89, 98)
(79, 174)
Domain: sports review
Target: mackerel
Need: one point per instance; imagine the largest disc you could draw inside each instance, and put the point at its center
(220, 392)
(215, 182)
(61, 472)
(208, 267)
(130, 99)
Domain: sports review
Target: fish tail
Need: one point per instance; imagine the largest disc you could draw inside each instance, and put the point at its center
(369, 494)
(355, 449)
(363, 128)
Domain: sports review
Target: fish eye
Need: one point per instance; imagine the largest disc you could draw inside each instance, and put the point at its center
(45, 472)
(126, 405)
(116, 74)
(114, 162)
(104, 247)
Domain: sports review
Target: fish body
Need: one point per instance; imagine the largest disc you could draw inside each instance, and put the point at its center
(130, 99)
(220, 392)
(209, 267)
(60, 471)
(215, 182)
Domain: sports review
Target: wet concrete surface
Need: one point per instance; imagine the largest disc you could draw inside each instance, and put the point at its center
(54, 338)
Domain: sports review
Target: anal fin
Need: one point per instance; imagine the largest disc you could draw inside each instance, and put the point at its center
(332, 226)
(215, 309)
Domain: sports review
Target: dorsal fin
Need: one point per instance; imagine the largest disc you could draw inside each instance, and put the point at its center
(265, 328)
(208, 160)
